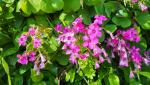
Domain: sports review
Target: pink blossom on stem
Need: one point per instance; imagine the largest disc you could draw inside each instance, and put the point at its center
(73, 59)
(23, 39)
(22, 59)
(97, 65)
(135, 55)
(32, 31)
(78, 26)
(58, 28)
(90, 42)
(84, 56)
(134, 1)
(131, 74)
(143, 7)
(94, 30)
(36, 42)
(32, 56)
(99, 19)
(131, 35)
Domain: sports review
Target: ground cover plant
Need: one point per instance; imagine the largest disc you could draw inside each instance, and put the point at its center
(74, 42)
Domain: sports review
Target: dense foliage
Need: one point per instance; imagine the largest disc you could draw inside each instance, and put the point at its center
(74, 42)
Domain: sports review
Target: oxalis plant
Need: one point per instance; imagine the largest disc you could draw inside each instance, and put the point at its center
(85, 51)
(74, 42)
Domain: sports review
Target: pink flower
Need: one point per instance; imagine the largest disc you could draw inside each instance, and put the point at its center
(88, 42)
(32, 31)
(58, 28)
(131, 74)
(131, 34)
(94, 31)
(22, 59)
(74, 49)
(143, 7)
(67, 38)
(36, 43)
(23, 39)
(84, 56)
(101, 59)
(99, 19)
(134, 1)
(97, 51)
(135, 55)
(78, 26)
(67, 29)
(146, 61)
(73, 59)
(37, 69)
(32, 56)
(42, 58)
(97, 65)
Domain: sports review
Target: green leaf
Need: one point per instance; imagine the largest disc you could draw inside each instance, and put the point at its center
(102, 73)
(8, 1)
(71, 5)
(134, 82)
(122, 21)
(146, 74)
(1, 10)
(99, 8)
(110, 27)
(18, 80)
(47, 6)
(67, 78)
(122, 13)
(53, 41)
(86, 16)
(31, 22)
(6, 68)
(144, 20)
(35, 77)
(113, 79)
(92, 2)
(10, 51)
(112, 6)
(36, 5)
(40, 83)
(42, 20)
(62, 59)
(57, 4)
(23, 69)
(26, 8)
(5, 38)
(19, 5)
(72, 75)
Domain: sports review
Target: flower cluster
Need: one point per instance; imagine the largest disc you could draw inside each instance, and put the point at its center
(90, 35)
(32, 54)
(39, 63)
(28, 56)
(24, 37)
(23, 59)
(120, 45)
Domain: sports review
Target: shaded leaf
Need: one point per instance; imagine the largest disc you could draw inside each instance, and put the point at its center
(113, 79)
